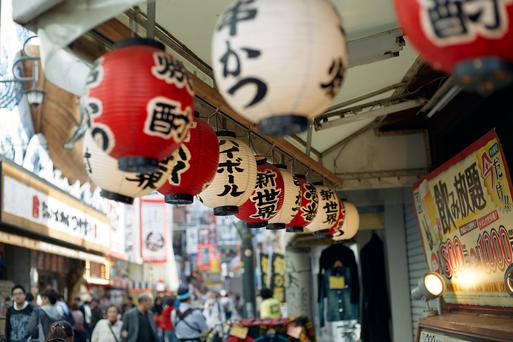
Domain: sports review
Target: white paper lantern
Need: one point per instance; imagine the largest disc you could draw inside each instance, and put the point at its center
(291, 201)
(279, 63)
(351, 223)
(119, 185)
(327, 212)
(235, 179)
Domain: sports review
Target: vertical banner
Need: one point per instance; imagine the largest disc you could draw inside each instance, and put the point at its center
(264, 269)
(278, 277)
(154, 231)
(466, 223)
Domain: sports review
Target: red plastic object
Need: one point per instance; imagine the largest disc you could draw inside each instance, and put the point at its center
(195, 165)
(267, 198)
(308, 208)
(141, 103)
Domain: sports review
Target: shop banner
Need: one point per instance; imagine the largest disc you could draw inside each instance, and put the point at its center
(264, 269)
(154, 231)
(278, 277)
(466, 223)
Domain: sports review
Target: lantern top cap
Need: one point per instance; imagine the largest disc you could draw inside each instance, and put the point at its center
(138, 41)
(261, 160)
(299, 176)
(230, 134)
(281, 166)
(320, 183)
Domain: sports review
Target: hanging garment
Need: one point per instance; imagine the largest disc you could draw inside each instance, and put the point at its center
(376, 306)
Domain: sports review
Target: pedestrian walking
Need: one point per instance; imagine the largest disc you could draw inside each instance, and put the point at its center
(96, 313)
(49, 311)
(167, 323)
(157, 309)
(20, 322)
(79, 325)
(138, 323)
(190, 324)
(109, 329)
(213, 310)
(270, 307)
(60, 331)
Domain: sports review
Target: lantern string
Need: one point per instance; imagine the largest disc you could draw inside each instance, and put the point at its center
(211, 115)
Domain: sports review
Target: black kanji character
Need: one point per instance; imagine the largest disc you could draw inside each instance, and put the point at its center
(232, 190)
(264, 179)
(146, 180)
(442, 204)
(309, 211)
(336, 74)
(166, 119)
(330, 207)
(326, 195)
(240, 11)
(474, 187)
(171, 70)
(498, 189)
(265, 212)
(464, 203)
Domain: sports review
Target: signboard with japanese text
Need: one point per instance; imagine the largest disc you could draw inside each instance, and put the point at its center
(154, 230)
(278, 277)
(466, 222)
(32, 204)
(429, 336)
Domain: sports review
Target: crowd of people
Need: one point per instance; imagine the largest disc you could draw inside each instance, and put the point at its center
(169, 319)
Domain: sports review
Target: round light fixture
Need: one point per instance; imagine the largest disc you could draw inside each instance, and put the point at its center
(508, 279)
(430, 286)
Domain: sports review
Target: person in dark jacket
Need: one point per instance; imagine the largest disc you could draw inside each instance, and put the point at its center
(138, 323)
(20, 324)
(96, 313)
(50, 313)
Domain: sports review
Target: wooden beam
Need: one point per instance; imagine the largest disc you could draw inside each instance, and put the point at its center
(114, 30)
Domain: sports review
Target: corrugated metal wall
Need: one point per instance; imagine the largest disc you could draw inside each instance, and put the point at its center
(417, 266)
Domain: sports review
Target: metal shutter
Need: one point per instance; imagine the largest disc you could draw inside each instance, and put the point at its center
(417, 266)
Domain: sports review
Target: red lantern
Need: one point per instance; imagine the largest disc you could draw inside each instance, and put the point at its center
(267, 198)
(473, 40)
(195, 164)
(308, 208)
(141, 103)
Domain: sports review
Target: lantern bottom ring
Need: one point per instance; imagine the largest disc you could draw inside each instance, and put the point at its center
(293, 229)
(138, 164)
(322, 234)
(283, 124)
(226, 210)
(484, 75)
(275, 226)
(256, 225)
(183, 199)
(116, 197)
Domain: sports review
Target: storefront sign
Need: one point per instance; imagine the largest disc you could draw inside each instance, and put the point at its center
(154, 231)
(465, 214)
(29, 203)
(428, 336)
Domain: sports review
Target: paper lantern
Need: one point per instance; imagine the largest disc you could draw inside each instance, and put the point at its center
(340, 218)
(351, 223)
(291, 201)
(235, 178)
(327, 213)
(308, 208)
(279, 63)
(119, 185)
(194, 165)
(267, 197)
(473, 39)
(141, 103)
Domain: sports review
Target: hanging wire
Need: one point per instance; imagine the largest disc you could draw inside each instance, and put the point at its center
(211, 115)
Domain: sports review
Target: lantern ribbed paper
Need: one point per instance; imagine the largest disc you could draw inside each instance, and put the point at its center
(351, 223)
(119, 185)
(291, 201)
(235, 178)
(141, 103)
(266, 199)
(472, 39)
(308, 208)
(279, 63)
(194, 165)
(327, 214)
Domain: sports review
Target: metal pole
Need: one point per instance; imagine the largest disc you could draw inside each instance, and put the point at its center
(309, 139)
(150, 25)
(248, 276)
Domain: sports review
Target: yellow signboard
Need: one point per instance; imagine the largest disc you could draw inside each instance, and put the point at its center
(465, 213)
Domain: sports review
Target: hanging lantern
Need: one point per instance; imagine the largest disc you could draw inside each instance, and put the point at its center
(279, 63)
(118, 185)
(327, 214)
(472, 40)
(291, 200)
(141, 103)
(350, 225)
(340, 218)
(194, 164)
(307, 209)
(235, 178)
(267, 197)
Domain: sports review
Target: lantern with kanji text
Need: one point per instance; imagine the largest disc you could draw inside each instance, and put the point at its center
(141, 104)
(279, 63)
(471, 39)
(291, 200)
(327, 213)
(235, 178)
(194, 165)
(308, 207)
(350, 224)
(267, 198)
(119, 185)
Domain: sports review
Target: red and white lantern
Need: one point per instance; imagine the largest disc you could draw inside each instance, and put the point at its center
(119, 185)
(291, 201)
(327, 214)
(267, 197)
(350, 224)
(307, 209)
(472, 39)
(235, 178)
(194, 165)
(141, 103)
